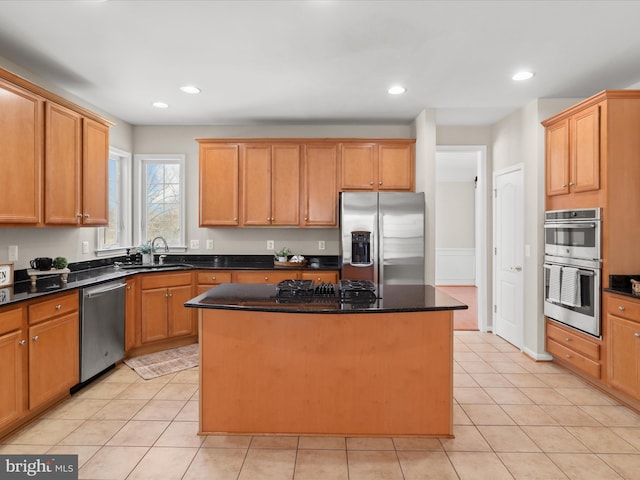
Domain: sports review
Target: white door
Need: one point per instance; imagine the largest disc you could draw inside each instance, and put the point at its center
(508, 311)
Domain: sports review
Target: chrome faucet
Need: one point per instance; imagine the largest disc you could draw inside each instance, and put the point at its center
(153, 247)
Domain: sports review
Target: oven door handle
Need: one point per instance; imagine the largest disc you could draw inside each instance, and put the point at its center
(570, 225)
(586, 273)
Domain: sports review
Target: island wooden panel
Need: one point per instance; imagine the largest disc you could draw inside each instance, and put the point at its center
(326, 374)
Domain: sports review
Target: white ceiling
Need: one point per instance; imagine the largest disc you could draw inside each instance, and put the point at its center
(281, 62)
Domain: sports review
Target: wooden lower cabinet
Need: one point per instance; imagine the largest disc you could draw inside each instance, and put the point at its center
(623, 327)
(132, 326)
(162, 312)
(208, 279)
(573, 349)
(13, 362)
(39, 356)
(263, 276)
(320, 277)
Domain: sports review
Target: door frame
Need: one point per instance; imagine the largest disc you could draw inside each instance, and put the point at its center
(481, 220)
(514, 168)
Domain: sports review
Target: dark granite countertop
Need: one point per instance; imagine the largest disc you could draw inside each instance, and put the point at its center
(84, 274)
(261, 297)
(621, 285)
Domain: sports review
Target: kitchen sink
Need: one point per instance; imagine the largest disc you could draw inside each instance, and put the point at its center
(156, 266)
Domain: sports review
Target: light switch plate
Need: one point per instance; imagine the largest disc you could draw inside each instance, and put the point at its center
(320, 244)
(209, 244)
(85, 247)
(13, 253)
(195, 244)
(271, 245)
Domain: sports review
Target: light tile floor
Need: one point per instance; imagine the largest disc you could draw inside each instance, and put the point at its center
(514, 419)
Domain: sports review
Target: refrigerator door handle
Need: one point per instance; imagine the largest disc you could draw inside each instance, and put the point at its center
(380, 247)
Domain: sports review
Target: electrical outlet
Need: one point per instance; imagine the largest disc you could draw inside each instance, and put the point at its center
(209, 244)
(271, 245)
(85, 247)
(195, 244)
(320, 244)
(13, 253)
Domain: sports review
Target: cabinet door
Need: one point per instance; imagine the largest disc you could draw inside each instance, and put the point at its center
(132, 323)
(585, 150)
(21, 135)
(320, 186)
(256, 185)
(285, 185)
(557, 158)
(95, 173)
(63, 162)
(358, 166)
(12, 359)
(219, 180)
(53, 358)
(153, 315)
(623, 354)
(181, 319)
(396, 168)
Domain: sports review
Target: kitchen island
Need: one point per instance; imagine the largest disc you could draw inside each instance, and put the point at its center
(324, 367)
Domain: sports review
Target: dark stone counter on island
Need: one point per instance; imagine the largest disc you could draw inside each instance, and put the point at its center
(262, 297)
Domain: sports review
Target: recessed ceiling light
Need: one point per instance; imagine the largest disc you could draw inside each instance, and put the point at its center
(160, 105)
(524, 75)
(190, 89)
(397, 90)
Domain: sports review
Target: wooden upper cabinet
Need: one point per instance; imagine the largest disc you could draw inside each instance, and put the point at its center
(95, 173)
(219, 180)
(63, 166)
(21, 133)
(320, 186)
(270, 185)
(396, 167)
(377, 166)
(359, 166)
(573, 153)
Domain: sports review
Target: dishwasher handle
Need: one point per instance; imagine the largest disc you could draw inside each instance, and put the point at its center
(96, 292)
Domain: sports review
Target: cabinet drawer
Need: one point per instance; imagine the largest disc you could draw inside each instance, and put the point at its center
(622, 307)
(47, 309)
(264, 276)
(573, 341)
(10, 319)
(162, 280)
(588, 366)
(320, 277)
(213, 277)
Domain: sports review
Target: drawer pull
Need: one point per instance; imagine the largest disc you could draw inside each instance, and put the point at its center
(567, 339)
(58, 307)
(266, 279)
(568, 356)
(637, 334)
(621, 308)
(213, 278)
(22, 342)
(36, 338)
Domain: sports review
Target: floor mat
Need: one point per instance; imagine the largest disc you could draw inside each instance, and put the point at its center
(157, 364)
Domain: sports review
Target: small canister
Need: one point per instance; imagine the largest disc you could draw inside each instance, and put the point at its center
(635, 286)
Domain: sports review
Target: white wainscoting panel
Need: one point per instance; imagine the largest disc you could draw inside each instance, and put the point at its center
(455, 266)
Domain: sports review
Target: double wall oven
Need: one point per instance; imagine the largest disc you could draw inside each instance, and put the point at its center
(572, 268)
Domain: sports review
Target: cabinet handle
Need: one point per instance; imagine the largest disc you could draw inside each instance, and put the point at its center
(621, 308)
(568, 356)
(128, 287)
(370, 183)
(79, 215)
(379, 183)
(213, 278)
(36, 338)
(567, 339)
(637, 334)
(266, 279)
(564, 185)
(571, 184)
(235, 219)
(86, 215)
(22, 342)
(306, 218)
(58, 307)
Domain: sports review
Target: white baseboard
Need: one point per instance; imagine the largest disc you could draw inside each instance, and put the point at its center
(539, 357)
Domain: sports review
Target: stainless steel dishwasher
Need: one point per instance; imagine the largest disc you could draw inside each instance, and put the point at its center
(101, 327)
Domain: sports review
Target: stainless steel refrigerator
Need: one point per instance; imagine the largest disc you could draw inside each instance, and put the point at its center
(382, 237)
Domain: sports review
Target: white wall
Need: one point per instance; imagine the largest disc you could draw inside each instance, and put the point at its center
(455, 214)
(519, 139)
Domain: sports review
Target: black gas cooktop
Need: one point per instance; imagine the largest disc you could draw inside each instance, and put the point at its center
(347, 291)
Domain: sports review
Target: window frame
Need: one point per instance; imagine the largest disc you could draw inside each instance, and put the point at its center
(124, 159)
(140, 161)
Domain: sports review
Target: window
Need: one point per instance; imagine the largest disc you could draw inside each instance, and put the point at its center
(117, 235)
(161, 200)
